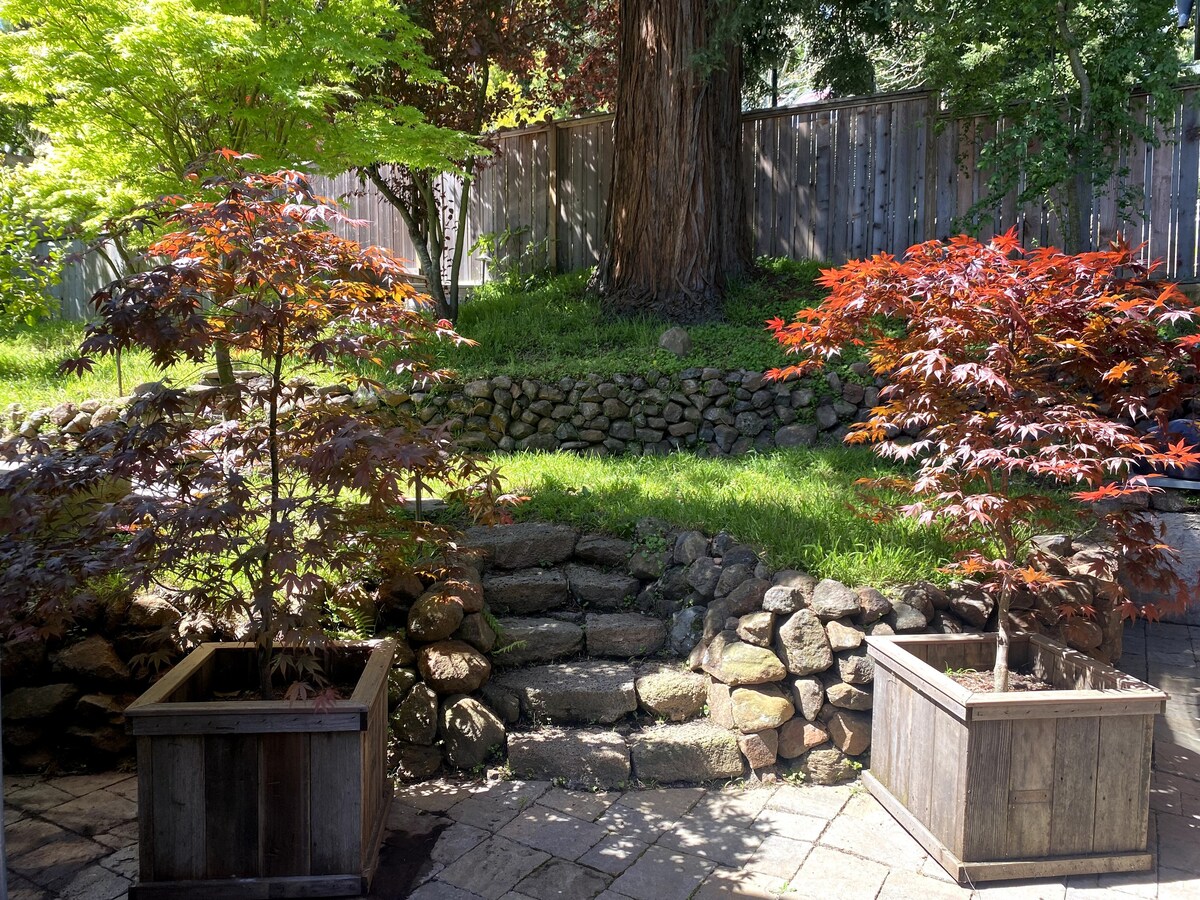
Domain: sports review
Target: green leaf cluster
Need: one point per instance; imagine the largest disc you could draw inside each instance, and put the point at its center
(129, 96)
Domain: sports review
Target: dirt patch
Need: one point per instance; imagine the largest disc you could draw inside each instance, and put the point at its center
(980, 681)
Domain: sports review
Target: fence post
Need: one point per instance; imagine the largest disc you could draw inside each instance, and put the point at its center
(552, 198)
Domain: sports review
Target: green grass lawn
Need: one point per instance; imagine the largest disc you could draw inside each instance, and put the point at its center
(30, 357)
(545, 328)
(800, 506)
(550, 328)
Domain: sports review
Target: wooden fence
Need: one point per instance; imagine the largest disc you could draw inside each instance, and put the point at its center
(830, 181)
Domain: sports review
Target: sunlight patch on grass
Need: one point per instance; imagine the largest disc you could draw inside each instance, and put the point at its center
(800, 506)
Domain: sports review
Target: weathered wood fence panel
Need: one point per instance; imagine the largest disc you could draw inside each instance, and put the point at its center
(830, 181)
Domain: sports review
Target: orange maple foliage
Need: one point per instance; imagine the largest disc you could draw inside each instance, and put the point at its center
(1012, 368)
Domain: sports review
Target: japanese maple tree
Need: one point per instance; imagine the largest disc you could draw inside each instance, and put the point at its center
(1010, 369)
(257, 501)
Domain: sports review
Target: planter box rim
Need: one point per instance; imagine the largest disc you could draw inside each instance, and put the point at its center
(154, 713)
(1133, 697)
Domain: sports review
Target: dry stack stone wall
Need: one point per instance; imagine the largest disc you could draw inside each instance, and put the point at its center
(719, 412)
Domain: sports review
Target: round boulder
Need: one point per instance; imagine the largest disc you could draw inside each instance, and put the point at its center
(470, 731)
(453, 667)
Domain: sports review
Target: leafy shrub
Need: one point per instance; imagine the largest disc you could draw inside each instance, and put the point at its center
(28, 269)
(1013, 366)
(255, 501)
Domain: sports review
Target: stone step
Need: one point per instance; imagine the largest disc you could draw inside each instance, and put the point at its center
(589, 757)
(623, 635)
(587, 691)
(536, 640)
(526, 591)
(695, 752)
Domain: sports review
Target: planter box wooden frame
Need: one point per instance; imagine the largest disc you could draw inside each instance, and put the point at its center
(1014, 785)
(252, 798)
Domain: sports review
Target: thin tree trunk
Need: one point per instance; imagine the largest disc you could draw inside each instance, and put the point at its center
(677, 230)
(1000, 671)
(464, 198)
(431, 271)
(265, 598)
(1077, 230)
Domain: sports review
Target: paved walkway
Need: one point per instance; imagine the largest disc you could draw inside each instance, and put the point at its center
(75, 838)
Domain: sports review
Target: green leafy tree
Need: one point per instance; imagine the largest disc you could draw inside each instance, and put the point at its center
(28, 269)
(1060, 75)
(131, 95)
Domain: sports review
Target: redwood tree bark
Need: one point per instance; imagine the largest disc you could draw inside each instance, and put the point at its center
(677, 229)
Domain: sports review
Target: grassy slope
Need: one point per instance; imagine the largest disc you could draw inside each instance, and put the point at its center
(546, 329)
(801, 506)
(552, 329)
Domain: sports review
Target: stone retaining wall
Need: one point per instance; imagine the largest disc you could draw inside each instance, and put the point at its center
(718, 412)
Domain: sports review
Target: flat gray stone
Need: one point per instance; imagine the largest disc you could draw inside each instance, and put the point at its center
(614, 854)
(524, 545)
(603, 550)
(533, 640)
(671, 693)
(695, 751)
(561, 879)
(662, 874)
(493, 868)
(586, 691)
(623, 635)
(597, 589)
(555, 832)
(527, 591)
(593, 758)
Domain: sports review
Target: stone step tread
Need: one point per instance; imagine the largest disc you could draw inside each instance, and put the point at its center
(544, 639)
(590, 691)
(695, 752)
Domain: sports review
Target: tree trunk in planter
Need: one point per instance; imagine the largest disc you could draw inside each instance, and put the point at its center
(1018, 784)
(260, 798)
(677, 228)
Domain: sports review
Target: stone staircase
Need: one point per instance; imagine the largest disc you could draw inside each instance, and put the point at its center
(592, 687)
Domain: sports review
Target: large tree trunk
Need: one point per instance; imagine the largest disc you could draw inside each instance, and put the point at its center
(677, 229)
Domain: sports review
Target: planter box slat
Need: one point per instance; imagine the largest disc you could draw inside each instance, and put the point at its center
(336, 803)
(284, 798)
(259, 798)
(177, 806)
(1124, 758)
(1031, 786)
(231, 783)
(290, 888)
(210, 719)
(1023, 784)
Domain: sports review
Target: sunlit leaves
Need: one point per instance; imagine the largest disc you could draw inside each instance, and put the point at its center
(1014, 369)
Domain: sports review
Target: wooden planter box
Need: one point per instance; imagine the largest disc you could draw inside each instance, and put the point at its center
(1013, 785)
(251, 798)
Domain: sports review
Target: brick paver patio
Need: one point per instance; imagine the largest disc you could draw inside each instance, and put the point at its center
(74, 838)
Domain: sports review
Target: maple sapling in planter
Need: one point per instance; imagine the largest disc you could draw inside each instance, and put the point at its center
(255, 502)
(1009, 372)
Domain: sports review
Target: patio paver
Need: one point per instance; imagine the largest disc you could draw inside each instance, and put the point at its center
(75, 838)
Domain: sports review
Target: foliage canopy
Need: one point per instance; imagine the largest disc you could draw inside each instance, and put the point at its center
(254, 502)
(1012, 367)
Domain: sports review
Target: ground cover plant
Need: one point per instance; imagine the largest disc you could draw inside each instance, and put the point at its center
(254, 501)
(551, 327)
(1015, 366)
